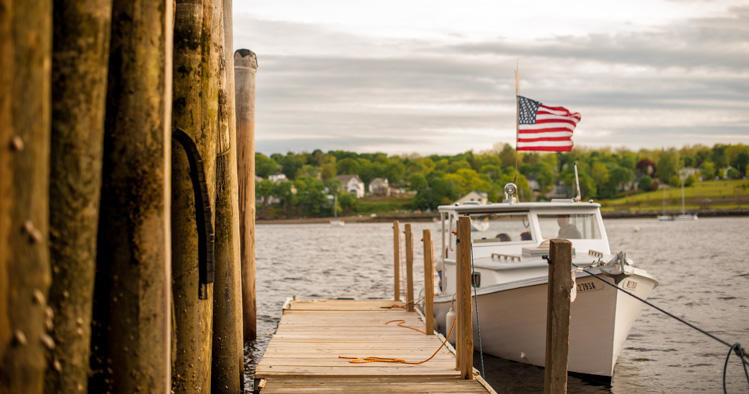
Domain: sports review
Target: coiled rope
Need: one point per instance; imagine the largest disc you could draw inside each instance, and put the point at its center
(733, 348)
(376, 359)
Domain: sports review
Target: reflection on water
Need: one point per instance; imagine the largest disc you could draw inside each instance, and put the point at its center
(702, 268)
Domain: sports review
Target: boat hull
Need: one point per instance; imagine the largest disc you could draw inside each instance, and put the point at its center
(513, 321)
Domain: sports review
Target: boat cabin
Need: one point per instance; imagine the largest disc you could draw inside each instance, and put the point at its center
(510, 237)
(508, 228)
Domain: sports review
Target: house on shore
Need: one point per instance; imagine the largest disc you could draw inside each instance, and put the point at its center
(379, 187)
(352, 184)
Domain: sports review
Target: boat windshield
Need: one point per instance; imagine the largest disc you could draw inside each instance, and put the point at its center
(487, 228)
(569, 226)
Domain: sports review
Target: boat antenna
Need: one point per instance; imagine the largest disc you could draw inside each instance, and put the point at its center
(517, 89)
(577, 183)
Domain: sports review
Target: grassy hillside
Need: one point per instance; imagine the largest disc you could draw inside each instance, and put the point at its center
(727, 194)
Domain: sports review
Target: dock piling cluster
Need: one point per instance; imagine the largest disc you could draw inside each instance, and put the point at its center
(121, 250)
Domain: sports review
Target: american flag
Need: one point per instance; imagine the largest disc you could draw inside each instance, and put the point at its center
(544, 128)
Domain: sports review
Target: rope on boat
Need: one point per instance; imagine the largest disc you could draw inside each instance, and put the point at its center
(733, 348)
(377, 359)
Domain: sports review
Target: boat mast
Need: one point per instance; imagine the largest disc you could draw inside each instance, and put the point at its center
(683, 207)
(517, 111)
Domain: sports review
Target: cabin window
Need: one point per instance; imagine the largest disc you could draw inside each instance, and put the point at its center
(500, 228)
(569, 226)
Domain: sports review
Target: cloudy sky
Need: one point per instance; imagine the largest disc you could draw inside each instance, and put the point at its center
(436, 76)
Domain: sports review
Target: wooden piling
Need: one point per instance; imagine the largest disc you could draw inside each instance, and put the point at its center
(558, 316)
(193, 192)
(464, 322)
(245, 67)
(25, 48)
(429, 282)
(79, 81)
(409, 269)
(130, 335)
(396, 261)
(227, 354)
(230, 114)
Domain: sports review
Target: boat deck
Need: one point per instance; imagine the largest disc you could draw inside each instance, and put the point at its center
(303, 355)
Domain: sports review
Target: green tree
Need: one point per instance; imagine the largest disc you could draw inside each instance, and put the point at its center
(645, 183)
(668, 165)
(418, 182)
(347, 166)
(708, 170)
(264, 189)
(265, 166)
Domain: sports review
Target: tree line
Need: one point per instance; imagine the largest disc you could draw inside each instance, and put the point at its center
(442, 179)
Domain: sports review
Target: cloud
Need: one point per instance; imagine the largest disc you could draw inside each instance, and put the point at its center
(681, 83)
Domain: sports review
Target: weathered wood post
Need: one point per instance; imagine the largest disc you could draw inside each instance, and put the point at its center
(231, 119)
(25, 55)
(79, 89)
(193, 192)
(227, 354)
(429, 282)
(558, 316)
(409, 269)
(396, 261)
(464, 339)
(245, 67)
(130, 338)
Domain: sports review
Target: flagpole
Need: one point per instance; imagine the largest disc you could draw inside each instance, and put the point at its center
(517, 89)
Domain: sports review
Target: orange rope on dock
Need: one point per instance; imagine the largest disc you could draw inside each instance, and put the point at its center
(403, 324)
(376, 359)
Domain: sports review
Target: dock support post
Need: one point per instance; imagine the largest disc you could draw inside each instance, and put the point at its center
(245, 67)
(79, 76)
(558, 316)
(25, 51)
(396, 261)
(193, 210)
(409, 269)
(131, 330)
(463, 293)
(227, 354)
(429, 282)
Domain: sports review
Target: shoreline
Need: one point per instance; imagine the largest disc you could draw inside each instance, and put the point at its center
(428, 217)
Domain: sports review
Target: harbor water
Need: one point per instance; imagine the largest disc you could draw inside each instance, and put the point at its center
(702, 267)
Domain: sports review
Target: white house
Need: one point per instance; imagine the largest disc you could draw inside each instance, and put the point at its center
(477, 197)
(379, 187)
(276, 178)
(352, 184)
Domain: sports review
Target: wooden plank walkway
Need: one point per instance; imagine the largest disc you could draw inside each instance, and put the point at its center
(303, 354)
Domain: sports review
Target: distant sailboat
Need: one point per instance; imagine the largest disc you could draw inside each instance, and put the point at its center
(663, 217)
(684, 215)
(336, 221)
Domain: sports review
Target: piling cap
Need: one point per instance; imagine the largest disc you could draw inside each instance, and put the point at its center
(245, 58)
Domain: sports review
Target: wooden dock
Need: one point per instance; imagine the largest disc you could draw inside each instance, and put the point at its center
(303, 355)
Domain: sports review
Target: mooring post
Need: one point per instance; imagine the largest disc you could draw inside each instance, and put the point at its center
(195, 111)
(227, 353)
(245, 67)
(429, 282)
(558, 316)
(465, 323)
(409, 269)
(79, 76)
(26, 49)
(396, 261)
(130, 333)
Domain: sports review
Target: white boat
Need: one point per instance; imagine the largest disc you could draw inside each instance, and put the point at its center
(511, 279)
